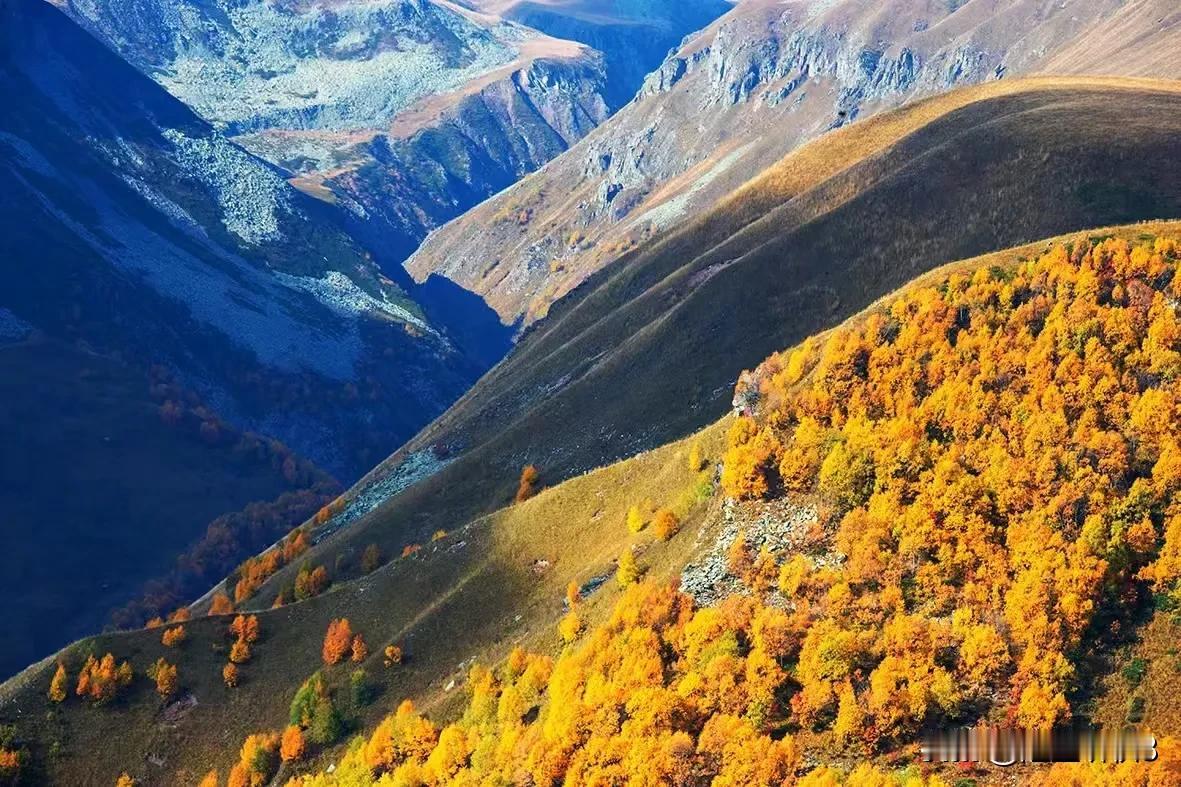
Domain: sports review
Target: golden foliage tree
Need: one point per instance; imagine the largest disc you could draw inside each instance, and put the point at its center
(310, 582)
(245, 628)
(527, 486)
(100, 680)
(174, 636)
(59, 685)
(221, 604)
(240, 652)
(166, 676)
(359, 650)
(338, 641)
(570, 626)
(257, 761)
(293, 745)
(635, 520)
(628, 571)
(665, 524)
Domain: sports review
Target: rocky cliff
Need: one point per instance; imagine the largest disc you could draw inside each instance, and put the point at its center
(403, 112)
(730, 101)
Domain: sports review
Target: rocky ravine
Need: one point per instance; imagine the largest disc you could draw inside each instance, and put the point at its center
(733, 99)
(135, 229)
(403, 112)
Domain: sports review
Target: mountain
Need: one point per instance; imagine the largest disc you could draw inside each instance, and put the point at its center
(952, 510)
(164, 294)
(207, 211)
(753, 85)
(634, 363)
(402, 112)
(633, 36)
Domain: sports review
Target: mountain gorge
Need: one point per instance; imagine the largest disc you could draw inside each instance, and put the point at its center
(750, 87)
(633, 364)
(822, 392)
(208, 208)
(403, 113)
(145, 248)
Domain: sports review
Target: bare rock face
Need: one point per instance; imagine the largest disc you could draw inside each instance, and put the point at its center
(736, 97)
(403, 112)
(397, 187)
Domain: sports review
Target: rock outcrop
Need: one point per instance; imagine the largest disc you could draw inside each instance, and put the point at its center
(404, 112)
(733, 99)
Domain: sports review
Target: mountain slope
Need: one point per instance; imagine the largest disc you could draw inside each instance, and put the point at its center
(141, 490)
(137, 241)
(641, 355)
(949, 510)
(733, 99)
(1136, 41)
(473, 594)
(817, 236)
(164, 241)
(404, 113)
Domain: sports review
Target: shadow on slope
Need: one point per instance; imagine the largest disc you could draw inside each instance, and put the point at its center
(649, 349)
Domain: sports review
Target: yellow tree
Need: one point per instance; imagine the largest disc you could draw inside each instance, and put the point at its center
(628, 571)
(60, 684)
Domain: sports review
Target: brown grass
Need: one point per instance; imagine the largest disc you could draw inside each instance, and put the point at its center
(472, 594)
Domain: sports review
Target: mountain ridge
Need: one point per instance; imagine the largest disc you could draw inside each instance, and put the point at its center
(734, 98)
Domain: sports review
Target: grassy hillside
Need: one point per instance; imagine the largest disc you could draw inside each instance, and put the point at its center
(472, 594)
(479, 590)
(648, 350)
(643, 355)
(992, 459)
(100, 493)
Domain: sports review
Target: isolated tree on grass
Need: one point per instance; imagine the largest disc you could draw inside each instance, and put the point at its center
(166, 677)
(360, 651)
(245, 627)
(240, 652)
(173, 636)
(310, 582)
(628, 572)
(635, 520)
(229, 675)
(221, 605)
(665, 524)
(337, 641)
(527, 486)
